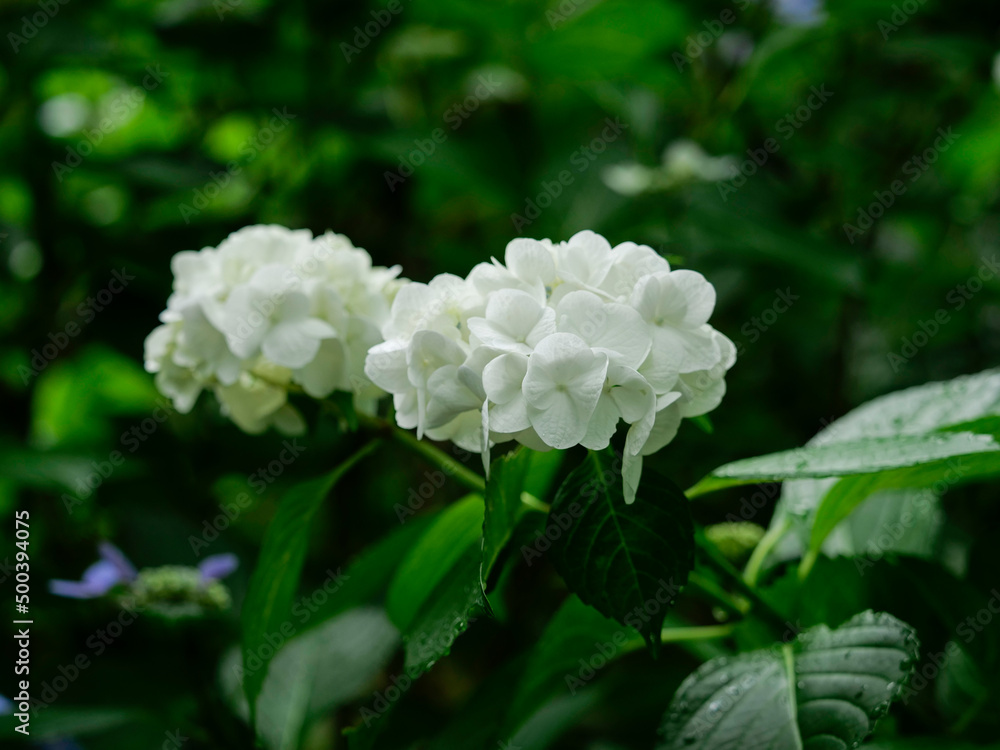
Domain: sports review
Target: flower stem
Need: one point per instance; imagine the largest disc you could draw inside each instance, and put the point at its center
(426, 450)
(697, 633)
(718, 595)
(758, 606)
(767, 543)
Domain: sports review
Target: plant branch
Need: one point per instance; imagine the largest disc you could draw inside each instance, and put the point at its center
(767, 543)
(426, 450)
(758, 606)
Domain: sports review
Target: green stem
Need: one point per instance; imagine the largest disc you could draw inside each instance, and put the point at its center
(767, 543)
(758, 606)
(809, 559)
(684, 635)
(435, 455)
(718, 595)
(534, 503)
(699, 633)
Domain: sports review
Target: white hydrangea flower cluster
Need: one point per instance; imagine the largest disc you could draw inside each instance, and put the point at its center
(270, 307)
(554, 347)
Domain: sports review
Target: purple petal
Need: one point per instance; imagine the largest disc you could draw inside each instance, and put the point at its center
(6, 707)
(102, 576)
(110, 553)
(72, 589)
(218, 566)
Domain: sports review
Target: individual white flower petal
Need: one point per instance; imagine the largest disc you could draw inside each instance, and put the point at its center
(631, 475)
(530, 260)
(630, 262)
(405, 406)
(157, 346)
(701, 393)
(295, 343)
(585, 258)
(514, 321)
(361, 336)
(611, 326)
(700, 352)
(562, 385)
(530, 439)
(251, 403)
(662, 367)
(510, 417)
(408, 311)
(288, 421)
(664, 429)
(448, 397)
(180, 384)
(427, 351)
(321, 376)
(241, 321)
(502, 377)
(471, 371)
(602, 425)
(699, 296)
(386, 366)
(632, 394)
(465, 431)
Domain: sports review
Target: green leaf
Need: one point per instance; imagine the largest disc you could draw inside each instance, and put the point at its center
(905, 522)
(824, 690)
(436, 589)
(968, 404)
(316, 672)
(863, 456)
(59, 723)
(542, 471)
(505, 506)
(276, 578)
(850, 492)
(616, 557)
(555, 667)
(367, 577)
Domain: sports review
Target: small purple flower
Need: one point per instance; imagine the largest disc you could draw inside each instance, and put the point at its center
(113, 568)
(216, 567)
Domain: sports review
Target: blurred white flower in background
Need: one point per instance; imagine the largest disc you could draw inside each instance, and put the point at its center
(735, 47)
(799, 12)
(554, 348)
(684, 162)
(270, 309)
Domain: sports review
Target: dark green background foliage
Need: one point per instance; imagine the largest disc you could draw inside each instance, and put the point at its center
(544, 80)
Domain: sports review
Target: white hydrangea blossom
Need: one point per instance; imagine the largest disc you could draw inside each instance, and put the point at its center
(553, 348)
(269, 308)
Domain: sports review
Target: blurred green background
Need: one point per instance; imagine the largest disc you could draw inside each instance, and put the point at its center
(132, 130)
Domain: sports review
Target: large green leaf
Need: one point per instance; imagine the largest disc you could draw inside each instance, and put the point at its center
(627, 561)
(850, 492)
(561, 660)
(861, 456)
(506, 504)
(436, 590)
(315, 672)
(904, 521)
(268, 604)
(971, 403)
(823, 691)
(968, 404)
